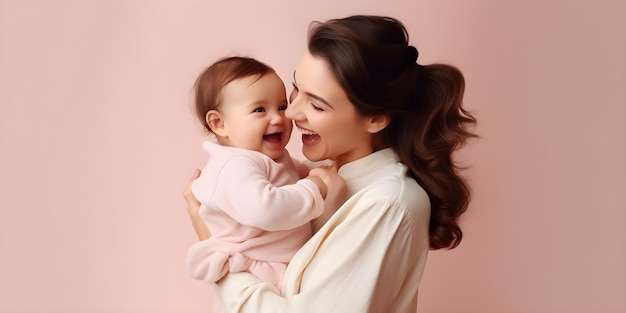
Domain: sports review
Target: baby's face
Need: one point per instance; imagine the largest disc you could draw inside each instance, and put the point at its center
(253, 111)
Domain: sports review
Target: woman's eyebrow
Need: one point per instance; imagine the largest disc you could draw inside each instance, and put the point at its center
(312, 95)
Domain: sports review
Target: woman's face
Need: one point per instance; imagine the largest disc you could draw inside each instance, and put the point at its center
(328, 121)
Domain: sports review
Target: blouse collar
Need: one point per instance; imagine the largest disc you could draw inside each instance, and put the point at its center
(357, 174)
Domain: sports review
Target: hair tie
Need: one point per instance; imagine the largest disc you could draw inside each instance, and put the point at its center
(412, 54)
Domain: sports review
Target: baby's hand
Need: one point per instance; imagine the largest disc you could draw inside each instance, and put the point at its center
(336, 193)
(321, 185)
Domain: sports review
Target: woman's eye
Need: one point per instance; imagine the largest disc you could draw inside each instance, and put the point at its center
(316, 108)
(259, 110)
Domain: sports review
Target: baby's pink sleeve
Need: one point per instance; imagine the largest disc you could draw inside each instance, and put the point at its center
(248, 196)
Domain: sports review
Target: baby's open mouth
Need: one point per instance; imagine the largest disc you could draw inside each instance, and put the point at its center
(273, 138)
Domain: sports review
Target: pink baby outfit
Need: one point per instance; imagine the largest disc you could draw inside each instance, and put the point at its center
(258, 211)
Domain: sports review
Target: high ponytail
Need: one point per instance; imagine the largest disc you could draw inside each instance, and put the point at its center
(426, 141)
(372, 60)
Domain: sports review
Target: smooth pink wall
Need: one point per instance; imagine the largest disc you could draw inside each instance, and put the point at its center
(97, 143)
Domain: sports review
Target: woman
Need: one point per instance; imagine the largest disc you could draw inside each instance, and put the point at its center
(391, 126)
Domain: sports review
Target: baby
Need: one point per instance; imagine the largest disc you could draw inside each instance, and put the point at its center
(255, 198)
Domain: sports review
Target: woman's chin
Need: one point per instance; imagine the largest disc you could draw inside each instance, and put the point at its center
(312, 155)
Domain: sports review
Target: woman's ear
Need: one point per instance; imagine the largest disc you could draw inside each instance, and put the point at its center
(216, 123)
(377, 123)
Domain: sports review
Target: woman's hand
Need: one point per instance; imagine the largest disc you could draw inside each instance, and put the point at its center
(193, 209)
(336, 193)
(193, 206)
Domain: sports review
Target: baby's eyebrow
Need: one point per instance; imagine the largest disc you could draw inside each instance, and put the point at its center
(258, 103)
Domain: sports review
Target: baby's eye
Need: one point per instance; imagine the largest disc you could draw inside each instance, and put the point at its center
(259, 110)
(282, 108)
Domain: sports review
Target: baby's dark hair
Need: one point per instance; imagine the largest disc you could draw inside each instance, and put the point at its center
(209, 84)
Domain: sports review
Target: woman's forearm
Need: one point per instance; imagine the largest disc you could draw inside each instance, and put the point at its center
(200, 227)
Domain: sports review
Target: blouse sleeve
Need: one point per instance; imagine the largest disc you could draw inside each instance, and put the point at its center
(248, 196)
(363, 262)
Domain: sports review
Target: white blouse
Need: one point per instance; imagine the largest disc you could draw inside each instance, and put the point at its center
(368, 257)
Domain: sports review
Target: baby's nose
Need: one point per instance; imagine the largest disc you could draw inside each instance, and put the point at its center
(277, 118)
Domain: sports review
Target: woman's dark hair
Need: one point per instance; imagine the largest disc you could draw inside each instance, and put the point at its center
(377, 68)
(209, 84)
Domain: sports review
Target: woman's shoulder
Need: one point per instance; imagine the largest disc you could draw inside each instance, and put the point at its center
(395, 190)
(398, 199)
(398, 188)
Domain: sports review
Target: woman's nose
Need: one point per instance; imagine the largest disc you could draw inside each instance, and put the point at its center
(294, 111)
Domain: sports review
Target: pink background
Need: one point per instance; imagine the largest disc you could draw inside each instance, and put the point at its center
(97, 143)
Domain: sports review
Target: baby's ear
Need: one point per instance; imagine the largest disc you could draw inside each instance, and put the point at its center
(216, 123)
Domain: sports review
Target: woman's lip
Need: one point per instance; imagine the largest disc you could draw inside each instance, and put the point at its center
(305, 131)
